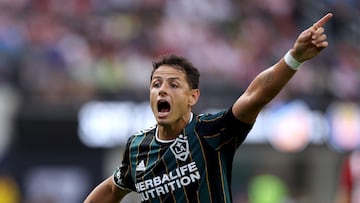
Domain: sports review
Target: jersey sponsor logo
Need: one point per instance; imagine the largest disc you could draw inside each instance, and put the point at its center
(168, 182)
(180, 147)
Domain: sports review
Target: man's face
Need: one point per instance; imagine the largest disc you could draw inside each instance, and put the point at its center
(170, 96)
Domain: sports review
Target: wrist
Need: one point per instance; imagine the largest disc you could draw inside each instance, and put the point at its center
(291, 61)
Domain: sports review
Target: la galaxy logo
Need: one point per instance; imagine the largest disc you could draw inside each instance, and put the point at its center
(180, 148)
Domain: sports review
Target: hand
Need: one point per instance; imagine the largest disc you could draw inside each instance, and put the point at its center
(311, 41)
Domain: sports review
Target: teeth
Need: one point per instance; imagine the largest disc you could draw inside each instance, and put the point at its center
(163, 106)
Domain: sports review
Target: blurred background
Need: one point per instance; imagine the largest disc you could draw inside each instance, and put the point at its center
(74, 78)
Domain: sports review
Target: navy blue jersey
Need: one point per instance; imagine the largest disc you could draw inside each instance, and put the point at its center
(195, 167)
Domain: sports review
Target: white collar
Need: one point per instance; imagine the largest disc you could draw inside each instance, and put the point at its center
(168, 141)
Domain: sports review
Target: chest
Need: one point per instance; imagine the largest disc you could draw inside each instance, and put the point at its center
(162, 168)
(181, 156)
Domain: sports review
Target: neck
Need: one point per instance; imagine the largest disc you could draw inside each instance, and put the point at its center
(170, 132)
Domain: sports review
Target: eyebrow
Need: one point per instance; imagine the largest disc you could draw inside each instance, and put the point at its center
(171, 78)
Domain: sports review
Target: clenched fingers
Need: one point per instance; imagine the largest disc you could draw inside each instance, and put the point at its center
(319, 37)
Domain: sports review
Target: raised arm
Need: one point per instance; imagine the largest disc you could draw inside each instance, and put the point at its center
(106, 192)
(270, 82)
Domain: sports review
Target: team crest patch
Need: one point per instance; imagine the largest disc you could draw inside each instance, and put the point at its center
(180, 148)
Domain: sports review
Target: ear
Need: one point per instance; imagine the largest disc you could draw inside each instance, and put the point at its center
(194, 96)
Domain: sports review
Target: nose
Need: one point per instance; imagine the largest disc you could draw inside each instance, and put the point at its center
(163, 89)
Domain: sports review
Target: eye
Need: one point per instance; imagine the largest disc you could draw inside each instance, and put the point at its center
(156, 84)
(173, 85)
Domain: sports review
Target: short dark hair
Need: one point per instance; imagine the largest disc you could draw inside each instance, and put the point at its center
(191, 72)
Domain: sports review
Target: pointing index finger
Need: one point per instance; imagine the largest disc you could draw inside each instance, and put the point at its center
(323, 20)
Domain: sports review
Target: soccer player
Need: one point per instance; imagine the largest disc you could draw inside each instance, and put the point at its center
(348, 190)
(187, 157)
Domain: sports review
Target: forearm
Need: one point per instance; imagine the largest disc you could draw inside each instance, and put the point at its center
(106, 192)
(269, 83)
(262, 90)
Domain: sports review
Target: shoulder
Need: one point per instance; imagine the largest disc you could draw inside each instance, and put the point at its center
(223, 118)
(143, 132)
(210, 116)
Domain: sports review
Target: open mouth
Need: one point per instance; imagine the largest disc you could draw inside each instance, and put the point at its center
(163, 106)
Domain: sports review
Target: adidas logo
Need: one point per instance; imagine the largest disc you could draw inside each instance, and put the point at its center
(141, 166)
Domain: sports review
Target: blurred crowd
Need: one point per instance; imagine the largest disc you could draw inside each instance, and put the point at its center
(73, 51)
(67, 52)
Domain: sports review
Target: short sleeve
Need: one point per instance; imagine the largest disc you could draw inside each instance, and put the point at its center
(122, 175)
(223, 128)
